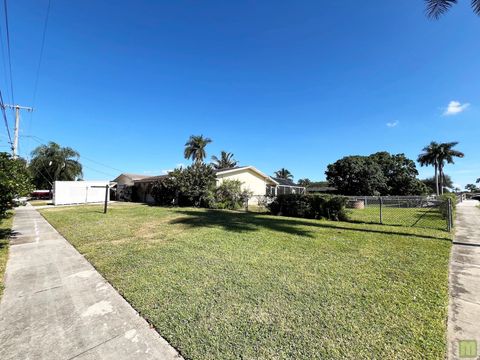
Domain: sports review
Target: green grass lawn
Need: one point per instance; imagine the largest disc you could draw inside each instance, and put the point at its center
(5, 230)
(408, 217)
(231, 285)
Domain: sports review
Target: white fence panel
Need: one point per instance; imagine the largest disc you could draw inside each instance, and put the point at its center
(79, 192)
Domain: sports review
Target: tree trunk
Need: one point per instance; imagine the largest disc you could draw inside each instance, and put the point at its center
(441, 179)
(436, 178)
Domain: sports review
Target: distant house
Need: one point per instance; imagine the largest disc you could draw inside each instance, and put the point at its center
(287, 186)
(143, 189)
(321, 189)
(124, 182)
(252, 179)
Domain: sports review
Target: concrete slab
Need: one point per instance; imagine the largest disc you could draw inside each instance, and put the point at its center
(464, 281)
(57, 306)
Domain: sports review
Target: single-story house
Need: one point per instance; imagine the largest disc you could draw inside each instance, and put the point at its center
(124, 182)
(287, 186)
(252, 179)
(143, 188)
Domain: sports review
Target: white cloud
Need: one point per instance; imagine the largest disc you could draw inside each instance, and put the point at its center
(393, 124)
(455, 107)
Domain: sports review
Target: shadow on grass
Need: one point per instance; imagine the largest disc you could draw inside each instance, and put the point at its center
(250, 222)
(5, 234)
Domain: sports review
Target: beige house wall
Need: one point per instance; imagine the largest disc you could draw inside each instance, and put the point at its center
(250, 180)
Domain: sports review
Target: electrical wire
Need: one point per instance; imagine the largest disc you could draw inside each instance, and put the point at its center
(4, 61)
(2, 105)
(43, 141)
(37, 76)
(9, 50)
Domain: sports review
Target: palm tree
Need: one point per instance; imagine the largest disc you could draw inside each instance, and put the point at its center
(430, 157)
(284, 174)
(225, 161)
(436, 8)
(446, 156)
(195, 148)
(53, 162)
(305, 182)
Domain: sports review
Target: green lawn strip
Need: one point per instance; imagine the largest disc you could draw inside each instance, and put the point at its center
(408, 217)
(40, 202)
(5, 230)
(219, 284)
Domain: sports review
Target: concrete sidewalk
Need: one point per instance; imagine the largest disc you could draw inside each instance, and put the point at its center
(464, 311)
(57, 306)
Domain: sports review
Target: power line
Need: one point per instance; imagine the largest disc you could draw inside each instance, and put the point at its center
(8, 49)
(4, 61)
(37, 76)
(5, 117)
(41, 141)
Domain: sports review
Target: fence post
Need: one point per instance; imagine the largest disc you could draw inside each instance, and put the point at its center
(381, 209)
(107, 189)
(449, 215)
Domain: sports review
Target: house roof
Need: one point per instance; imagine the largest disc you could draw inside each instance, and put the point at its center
(150, 179)
(286, 182)
(251, 168)
(230, 169)
(133, 177)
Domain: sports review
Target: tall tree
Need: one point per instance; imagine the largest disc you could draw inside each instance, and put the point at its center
(471, 187)
(53, 162)
(357, 175)
(284, 174)
(446, 156)
(430, 183)
(436, 8)
(431, 157)
(304, 182)
(195, 148)
(225, 161)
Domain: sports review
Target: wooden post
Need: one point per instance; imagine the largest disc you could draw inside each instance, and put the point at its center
(449, 215)
(107, 189)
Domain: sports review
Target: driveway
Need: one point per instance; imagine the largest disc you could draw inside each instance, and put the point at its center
(464, 312)
(57, 306)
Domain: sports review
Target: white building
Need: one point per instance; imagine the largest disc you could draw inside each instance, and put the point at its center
(80, 192)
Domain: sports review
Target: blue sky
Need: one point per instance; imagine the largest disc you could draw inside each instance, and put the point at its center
(278, 83)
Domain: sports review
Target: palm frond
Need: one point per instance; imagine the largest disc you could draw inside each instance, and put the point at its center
(436, 8)
(476, 6)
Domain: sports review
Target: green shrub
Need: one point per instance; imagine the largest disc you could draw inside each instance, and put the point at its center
(330, 207)
(229, 195)
(165, 191)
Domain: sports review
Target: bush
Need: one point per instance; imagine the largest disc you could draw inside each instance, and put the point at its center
(165, 191)
(192, 186)
(310, 206)
(14, 181)
(229, 195)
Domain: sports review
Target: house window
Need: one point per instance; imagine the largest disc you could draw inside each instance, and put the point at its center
(270, 191)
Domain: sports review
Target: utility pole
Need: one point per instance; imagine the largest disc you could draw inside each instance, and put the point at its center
(17, 109)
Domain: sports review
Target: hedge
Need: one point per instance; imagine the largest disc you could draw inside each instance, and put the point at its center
(330, 207)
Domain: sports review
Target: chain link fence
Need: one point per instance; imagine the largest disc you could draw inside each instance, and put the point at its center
(412, 211)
